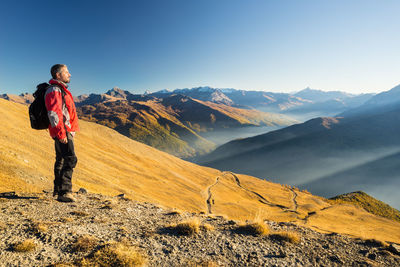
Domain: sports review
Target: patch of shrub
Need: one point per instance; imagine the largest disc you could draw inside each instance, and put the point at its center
(253, 228)
(288, 236)
(114, 254)
(79, 213)
(84, 244)
(25, 246)
(207, 227)
(39, 227)
(188, 227)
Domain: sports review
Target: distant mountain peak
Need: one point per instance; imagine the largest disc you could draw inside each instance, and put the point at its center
(163, 91)
(118, 92)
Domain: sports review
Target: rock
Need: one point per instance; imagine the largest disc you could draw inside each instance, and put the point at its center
(121, 195)
(82, 191)
(363, 251)
(371, 256)
(336, 259)
(395, 249)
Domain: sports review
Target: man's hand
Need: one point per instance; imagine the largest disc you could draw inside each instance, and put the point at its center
(64, 140)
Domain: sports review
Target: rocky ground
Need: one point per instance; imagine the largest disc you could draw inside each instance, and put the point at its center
(57, 229)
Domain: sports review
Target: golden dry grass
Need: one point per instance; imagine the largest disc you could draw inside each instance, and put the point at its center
(84, 243)
(111, 164)
(67, 219)
(288, 236)
(39, 227)
(188, 227)
(253, 228)
(207, 227)
(115, 254)
(27, 245)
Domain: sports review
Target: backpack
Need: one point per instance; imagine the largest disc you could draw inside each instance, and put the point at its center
(37, 109)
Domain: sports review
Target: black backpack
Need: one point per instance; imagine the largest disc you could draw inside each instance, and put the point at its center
(37, 110)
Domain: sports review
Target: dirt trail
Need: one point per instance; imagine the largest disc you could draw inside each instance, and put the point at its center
(294, 200)
(314, 213)
(209, 200)
(260, 197)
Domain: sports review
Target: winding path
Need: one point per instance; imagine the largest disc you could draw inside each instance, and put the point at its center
(294, 200)
(209, 200)
(314, 213)
(261, 198)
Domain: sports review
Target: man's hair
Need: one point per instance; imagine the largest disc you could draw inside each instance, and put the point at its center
(56, 69)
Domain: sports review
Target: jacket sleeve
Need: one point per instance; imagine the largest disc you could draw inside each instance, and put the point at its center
(54, 105)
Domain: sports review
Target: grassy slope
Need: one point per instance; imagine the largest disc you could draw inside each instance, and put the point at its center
(110, 163)
(369, 203)
(150, 123)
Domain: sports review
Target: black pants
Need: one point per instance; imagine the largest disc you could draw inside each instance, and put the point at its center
(65, 163)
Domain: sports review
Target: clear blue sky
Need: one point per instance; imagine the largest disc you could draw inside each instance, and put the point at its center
(279, 46)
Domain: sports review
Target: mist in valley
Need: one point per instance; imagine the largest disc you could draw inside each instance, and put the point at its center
(378, 177)
(223, 136)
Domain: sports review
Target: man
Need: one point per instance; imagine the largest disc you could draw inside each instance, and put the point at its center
(63, 125)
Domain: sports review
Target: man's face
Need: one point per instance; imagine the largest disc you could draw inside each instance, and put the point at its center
(64, 75)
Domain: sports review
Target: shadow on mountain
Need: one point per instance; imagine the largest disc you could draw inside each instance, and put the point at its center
(379, 178)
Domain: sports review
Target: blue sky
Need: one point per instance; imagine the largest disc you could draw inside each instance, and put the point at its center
(278, 46)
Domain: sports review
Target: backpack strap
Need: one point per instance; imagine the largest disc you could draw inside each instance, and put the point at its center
(63, 93)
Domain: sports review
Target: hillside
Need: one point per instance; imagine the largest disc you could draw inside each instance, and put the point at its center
(368, 203)
(111, 164)
(176, 124)
(114, 231)
(379, 177)
(381, 102)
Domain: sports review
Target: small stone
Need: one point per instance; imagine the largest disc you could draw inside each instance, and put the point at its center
(121, 195)
(336, 259)
(82, 191)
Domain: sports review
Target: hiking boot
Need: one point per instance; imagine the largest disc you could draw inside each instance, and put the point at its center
(67, 197)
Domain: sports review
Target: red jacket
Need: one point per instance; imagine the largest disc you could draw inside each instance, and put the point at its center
(59, 112)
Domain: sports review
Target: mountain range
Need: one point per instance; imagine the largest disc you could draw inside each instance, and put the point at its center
(178, 124)
(304, 104)
(327, 155)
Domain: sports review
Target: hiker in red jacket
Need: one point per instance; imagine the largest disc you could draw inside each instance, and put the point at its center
(63, 126)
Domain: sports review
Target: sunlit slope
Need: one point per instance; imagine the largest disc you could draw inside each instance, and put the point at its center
(110, 163)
